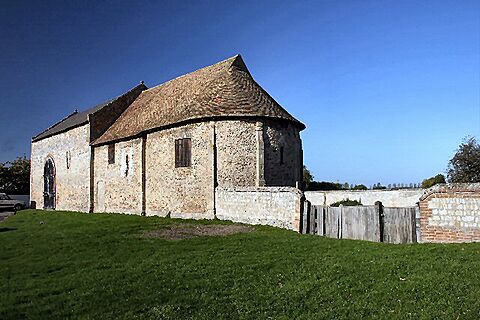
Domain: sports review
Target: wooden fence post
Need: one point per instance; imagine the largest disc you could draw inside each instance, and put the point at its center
(310, 222)
(303, 215)
(340, 223)
(321, 220)
(313, 213)
(414, 223)
(381, 220)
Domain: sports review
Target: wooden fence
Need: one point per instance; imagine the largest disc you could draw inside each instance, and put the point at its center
(372, 223)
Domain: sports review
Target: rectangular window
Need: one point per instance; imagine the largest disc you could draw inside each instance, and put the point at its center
(281, 155)
(183, 152)
(111, 153)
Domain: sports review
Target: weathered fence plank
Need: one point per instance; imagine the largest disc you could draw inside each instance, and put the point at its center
(332, 222)
(399, 225)
(311, 220)
(360, 223)
(371, 223)
(320, 220)
(304, 220)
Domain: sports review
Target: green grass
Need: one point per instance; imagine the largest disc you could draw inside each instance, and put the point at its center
(56, 265)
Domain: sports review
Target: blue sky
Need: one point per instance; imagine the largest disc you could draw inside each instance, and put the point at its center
(387, 89)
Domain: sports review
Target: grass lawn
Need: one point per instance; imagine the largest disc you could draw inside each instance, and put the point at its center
(57, 265)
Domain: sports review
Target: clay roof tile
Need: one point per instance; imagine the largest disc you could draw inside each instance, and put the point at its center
(224, 89)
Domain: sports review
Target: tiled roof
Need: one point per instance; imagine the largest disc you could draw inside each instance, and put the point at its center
(225, 89)
(77, 119)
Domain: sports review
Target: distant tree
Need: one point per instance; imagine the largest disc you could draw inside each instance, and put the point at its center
(360, 187)
(411, 185)
(389, 186)
(465, 164)
(307, 177)
(430, 182)
(346, 186)
(379, 186)
(15, 176)
(324, 186)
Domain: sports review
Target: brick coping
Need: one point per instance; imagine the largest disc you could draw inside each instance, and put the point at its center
(451, 188)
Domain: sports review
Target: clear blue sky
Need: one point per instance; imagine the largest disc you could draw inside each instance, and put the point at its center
(387, 89)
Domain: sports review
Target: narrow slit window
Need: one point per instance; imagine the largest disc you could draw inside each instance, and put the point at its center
(111, 153)
(126, 166)
(281, 155)
(68, 159)
(183, 152)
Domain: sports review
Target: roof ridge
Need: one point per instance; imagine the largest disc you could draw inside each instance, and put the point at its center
(109, 102)
(233, 58)
(83, 113)
(56, 123)
(224, 89)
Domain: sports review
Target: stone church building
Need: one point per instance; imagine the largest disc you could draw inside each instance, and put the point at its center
(169, 149)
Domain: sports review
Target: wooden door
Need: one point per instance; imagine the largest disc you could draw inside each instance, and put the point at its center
(49, 185)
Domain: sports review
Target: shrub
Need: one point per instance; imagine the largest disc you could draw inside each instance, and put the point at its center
(346, 202)
(430, 182)
(360, 187)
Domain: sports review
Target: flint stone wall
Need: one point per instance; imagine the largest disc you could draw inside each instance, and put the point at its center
(274, 206)
(451, 213)
(389, 198)
(245, 150)
(118, 186)
(236, 153)
(188, 192)
(72, 184)
(184, 192)
(279, 135)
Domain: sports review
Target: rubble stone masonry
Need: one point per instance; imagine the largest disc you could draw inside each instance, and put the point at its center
(118, 186)
(226, 156)
(72, 182)
(184, 192)
(274, 206)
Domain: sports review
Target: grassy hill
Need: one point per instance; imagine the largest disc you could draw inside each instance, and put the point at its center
(57, 265)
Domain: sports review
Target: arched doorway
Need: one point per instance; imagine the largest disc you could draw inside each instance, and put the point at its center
(49, 185)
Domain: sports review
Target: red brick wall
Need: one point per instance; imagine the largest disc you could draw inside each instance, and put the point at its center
(451, 213)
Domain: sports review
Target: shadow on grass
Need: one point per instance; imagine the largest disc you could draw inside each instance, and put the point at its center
(7, 229)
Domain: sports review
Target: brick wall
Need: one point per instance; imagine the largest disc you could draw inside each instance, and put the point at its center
(451, 213)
